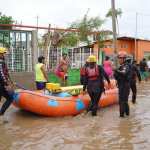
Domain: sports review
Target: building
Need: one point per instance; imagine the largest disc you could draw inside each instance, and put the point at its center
(22, 49)
(138, 48)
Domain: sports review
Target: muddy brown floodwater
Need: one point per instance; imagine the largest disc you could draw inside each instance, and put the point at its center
(26, 131)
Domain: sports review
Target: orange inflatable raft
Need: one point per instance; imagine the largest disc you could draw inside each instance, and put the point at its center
(62, 104)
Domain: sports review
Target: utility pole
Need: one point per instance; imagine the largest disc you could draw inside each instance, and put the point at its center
(37, 24)
(114, 30)
(136, 26)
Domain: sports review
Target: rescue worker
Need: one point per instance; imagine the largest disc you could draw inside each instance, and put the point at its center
(62, 69)
(6, 87)
(123, 76)
(94, 81)
(135, 73)
(41, 76)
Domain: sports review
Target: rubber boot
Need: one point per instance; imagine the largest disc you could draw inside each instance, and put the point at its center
(133, 98)
(121, 109)
(127, 110)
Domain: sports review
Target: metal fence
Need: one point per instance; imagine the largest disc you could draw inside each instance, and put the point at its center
(77, 56)
(19, 55)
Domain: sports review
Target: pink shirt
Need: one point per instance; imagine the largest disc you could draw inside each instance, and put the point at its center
(108, 67)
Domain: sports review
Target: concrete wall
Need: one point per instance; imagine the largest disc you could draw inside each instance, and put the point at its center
(143, 46)
(24, 79)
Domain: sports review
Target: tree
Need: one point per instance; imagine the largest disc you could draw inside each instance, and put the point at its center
(118, 12)
(86, 26)
(5, 20)
(87, 29)
(4, 34)
(64, 39)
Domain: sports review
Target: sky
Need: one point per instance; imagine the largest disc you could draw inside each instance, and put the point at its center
(60, 13)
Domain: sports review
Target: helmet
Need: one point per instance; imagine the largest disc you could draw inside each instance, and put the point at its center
(92, 58)
(128, 58)
(122, 54)
(3, 50)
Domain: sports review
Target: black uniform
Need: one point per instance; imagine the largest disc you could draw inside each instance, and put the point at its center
(3, 92)
(134, 74)
(95, 87)
(123, 77)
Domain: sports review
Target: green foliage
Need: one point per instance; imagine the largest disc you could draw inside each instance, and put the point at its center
(118, 12)
(4, 35)
(5, 20)
(68, 39)
(4, 38)
(86, 26)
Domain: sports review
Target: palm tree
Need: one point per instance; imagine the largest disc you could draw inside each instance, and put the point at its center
(118, 12)
(87, 27)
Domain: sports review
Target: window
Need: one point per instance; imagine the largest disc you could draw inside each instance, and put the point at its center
(125, 46)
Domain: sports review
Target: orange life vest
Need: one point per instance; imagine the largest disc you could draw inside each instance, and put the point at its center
(82, 71)
(92, 73)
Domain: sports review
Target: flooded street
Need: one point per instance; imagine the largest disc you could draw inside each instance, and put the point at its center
(26, 131)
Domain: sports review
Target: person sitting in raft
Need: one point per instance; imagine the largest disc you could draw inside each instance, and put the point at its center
(62, 69)
(41, 77)
(94, 77)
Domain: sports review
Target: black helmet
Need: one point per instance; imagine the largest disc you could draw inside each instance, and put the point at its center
(128, 59)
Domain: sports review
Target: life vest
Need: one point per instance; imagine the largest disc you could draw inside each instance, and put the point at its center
(92, 73)
(83, 71)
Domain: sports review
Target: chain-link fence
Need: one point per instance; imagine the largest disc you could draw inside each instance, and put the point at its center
(19, 55)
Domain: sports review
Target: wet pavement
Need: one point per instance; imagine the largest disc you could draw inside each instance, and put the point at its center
(26, 131)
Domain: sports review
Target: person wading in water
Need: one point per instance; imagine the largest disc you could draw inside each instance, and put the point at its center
(41, 77)
(135, 73)
(94, 81)
(6, 85)
(123, 76)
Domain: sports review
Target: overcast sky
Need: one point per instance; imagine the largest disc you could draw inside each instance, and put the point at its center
(61, 13)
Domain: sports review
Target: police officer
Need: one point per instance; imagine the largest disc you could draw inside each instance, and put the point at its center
(123, 76)
(6, 88)
(94, 77)
(135, 73)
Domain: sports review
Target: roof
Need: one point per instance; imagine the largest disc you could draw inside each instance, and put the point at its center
(132, 38)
